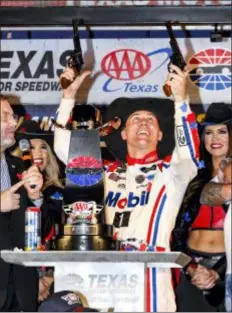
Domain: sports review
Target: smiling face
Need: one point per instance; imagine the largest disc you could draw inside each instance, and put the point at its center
(216, 138)
(8, 125)
(39, 153)
(142, 133)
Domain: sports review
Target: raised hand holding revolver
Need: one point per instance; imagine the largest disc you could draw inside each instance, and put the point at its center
(176, 58)
(75, 62)
(176, 81)
(76, 81)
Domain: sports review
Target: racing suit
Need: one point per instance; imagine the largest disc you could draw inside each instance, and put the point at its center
(142, 197)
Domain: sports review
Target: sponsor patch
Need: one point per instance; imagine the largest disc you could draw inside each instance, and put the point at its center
(139, 179)
(181, 136)
(122, 186)
(146, 169)
(71, 298)
(115, 177)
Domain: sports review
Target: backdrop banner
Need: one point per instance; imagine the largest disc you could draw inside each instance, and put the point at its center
(105, 285)
(125, 62)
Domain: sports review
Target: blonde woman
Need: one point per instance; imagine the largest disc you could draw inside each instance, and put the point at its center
(51, 199)
(52, 191)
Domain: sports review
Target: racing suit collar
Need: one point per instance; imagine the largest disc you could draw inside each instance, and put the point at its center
(149, 158)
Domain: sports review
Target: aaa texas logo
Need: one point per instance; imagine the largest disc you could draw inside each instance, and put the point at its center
(210, 69)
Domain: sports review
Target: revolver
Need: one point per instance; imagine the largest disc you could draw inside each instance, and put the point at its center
(176, 58)
(76, 60)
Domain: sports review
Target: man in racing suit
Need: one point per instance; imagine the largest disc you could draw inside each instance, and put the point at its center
(143, 194)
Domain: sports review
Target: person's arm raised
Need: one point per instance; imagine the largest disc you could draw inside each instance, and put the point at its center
(69, 94)
(62, 135)
(186, 133)
(177, 80)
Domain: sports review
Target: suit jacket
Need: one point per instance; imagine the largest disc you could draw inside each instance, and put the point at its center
(12, 233)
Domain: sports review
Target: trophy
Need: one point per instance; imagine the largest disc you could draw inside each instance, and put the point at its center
(83, 226)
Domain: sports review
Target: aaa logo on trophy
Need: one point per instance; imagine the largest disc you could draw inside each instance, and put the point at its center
(82, 212)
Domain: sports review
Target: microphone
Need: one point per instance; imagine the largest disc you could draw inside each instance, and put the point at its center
(24, 146)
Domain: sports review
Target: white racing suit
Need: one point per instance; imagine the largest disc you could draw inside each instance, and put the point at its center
(142, 197)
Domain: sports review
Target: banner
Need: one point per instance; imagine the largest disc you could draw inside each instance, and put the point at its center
(105, 285)
(110, 3)
(125, 62)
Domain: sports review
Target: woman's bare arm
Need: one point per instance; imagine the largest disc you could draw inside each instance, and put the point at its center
(216, 194)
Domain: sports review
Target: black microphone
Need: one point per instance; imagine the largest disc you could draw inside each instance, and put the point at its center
(24, 146)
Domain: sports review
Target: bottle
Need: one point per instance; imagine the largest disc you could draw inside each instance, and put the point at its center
(32, 229)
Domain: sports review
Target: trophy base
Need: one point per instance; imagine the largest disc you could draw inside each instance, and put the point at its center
(84, 243)
(84, 237)
(84, 229)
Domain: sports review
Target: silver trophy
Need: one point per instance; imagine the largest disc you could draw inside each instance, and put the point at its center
(83, 227)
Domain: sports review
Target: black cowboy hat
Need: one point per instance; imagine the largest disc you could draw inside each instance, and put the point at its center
(30, 129)
(163, 109)
(218, 113)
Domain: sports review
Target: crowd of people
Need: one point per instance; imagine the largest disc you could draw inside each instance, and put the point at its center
(176, 194)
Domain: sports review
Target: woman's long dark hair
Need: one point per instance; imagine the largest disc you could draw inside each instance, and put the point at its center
(191, 201)
(204, 175)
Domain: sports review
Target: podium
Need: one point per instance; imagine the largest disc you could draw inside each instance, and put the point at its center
(113, 279)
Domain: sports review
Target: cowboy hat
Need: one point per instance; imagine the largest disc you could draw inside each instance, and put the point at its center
(218, 113)
(30, 129)
(163, 109)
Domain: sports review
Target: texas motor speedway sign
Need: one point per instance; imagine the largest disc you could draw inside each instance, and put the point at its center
(126, 62)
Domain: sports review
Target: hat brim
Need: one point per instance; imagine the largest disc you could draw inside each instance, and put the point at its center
(218, 113)
(55, 303)
(48, 137)
(163, 109)
(224, 122)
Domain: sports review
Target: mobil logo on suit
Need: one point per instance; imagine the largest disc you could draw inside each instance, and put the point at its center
(117, 199)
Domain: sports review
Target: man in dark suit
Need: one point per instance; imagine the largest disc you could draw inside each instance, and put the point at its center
(18, 284)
